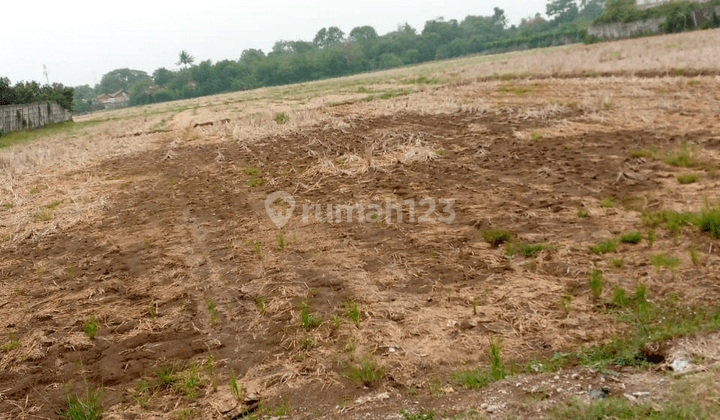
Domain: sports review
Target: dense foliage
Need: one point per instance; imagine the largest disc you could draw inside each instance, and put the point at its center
(333, 53)
(626, 11)
(28, 92)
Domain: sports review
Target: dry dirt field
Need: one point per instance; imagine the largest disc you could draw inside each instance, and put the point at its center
(139, 264)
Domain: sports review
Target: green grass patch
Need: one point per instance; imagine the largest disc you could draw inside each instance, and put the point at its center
(596, 283)
(66, 129)
(423, 80)
(212, 311)
(688, 178)
(420, 415)
(582, 212)
(366, 372)
(352, 311)
(607, 202)
(90, 326)
(682, 156)
(11, 344)
(525, 249)
(481, 377)
(87, 407)
(255, 182)
(645, 152)
(631, 237)
(709, 221)
(520, 89)
(306, 319)
(496, 236)
(604, 247)
(159, 127)
(664, 260)
(281, 118)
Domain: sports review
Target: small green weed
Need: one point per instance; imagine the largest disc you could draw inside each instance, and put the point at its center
(83, 408)
(306, 342)
(281, 240)
(306, 320)
(607, 202)
(353, 312)
(260, 304)
(619, 297)
(709, 221)
(664, 260)
(420, 415)
(695, 256)
(582, 212)
(237, 391)
(682, 156)
(212, 311)
(651, 237)
(281, 118)
(646, 153)
(90, 326)
(366, 372)
(11, 344)
(255, 182)
(596, 283)
(565, 302)
(496, 236)
(481, 377)
(618, 262)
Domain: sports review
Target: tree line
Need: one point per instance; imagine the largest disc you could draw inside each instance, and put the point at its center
(29, 92)
(333, 53)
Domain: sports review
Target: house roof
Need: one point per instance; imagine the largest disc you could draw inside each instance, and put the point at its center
(118, 93)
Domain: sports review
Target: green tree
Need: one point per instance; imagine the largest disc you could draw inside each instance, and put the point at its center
(82, 98)
(618, 11)
(162, 76)
(363, 34)
(388, 60)
(562, 10)
(185, 59)
(328, 37)
(499, 18)
(120, 79)
(591, 9)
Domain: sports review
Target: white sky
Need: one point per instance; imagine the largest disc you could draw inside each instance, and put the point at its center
(80, 40)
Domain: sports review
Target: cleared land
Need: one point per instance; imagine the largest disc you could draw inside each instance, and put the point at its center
(138, 259)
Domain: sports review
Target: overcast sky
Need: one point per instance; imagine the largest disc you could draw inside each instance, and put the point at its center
(80, 40)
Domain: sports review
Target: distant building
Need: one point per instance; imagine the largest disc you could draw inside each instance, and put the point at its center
(119, 99)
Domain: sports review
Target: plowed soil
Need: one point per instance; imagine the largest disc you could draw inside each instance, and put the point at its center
(185, 229)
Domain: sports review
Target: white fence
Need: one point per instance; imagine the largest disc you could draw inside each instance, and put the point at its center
(37, 114)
